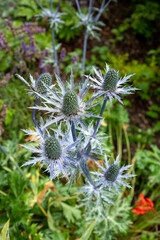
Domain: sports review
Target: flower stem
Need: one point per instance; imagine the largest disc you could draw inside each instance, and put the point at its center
(73, 131)
(102, 8)
(53, 40)
(33, 115)
(84, 54)
(79, 9)
(128, 144)
(39, 5)
(98, 121)
(101, 113)
(85, 40)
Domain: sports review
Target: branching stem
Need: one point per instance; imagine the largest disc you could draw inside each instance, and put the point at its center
(53, 38)
(34, 114)
(73, 131)
(101, 113)
(85, 39)
(78, 6)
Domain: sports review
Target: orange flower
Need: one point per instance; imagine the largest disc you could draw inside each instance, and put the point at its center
(143, 206)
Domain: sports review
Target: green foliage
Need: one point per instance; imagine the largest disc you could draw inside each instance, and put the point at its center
(71, 213)
(148, 162)
(89, 231)
(4, 235)
(154, 112)
(14, 100)
(118, 32)
(144, 18)
(67, 31)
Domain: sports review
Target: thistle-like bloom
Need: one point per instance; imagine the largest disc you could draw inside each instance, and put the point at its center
(110, 85)
(53, 150)
(65, 104)
(112, 175)
(54, 18)
(37, 85)
(91, 25)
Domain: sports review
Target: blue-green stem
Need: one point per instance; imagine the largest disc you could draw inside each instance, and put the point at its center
(102, 8)
(73, 131)
(53, 39)
(52, 32)
(34, 114)
(40, 5)
(85, 40)
(119, 141)
(128, 144)
(98, 121)
(84, 168)
(101, 113)
(78, 6)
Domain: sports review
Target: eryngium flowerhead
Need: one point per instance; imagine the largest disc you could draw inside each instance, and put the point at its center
(66, 104)
(70, 103)
(110, 80)
(53, 150)
(44, 78)
(39, 85)
(110, 85)
(112, 175)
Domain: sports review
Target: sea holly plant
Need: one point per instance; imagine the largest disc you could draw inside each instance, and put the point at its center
(65, 152)
(65, 141)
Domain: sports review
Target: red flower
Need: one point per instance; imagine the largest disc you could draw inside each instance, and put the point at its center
(143, 206)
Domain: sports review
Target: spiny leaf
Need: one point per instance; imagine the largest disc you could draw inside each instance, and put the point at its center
(70, 212)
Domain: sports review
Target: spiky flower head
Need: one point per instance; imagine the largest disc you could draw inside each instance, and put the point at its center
(70, 103)
(110, 85)
(112, 175)
(110, 80)
(52, 148)
(66, 104)
(38, 85)
(55, 18)
(44, 79)
(56, 151)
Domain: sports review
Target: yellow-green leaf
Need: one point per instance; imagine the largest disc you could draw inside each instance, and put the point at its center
(4, 235)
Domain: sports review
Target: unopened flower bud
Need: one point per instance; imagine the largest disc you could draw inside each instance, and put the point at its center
(52, 148)
(70, 103)
(112, 173)
(110, 80)
(44, 78)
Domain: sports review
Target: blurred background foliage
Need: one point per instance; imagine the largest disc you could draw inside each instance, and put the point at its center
(129, 42)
